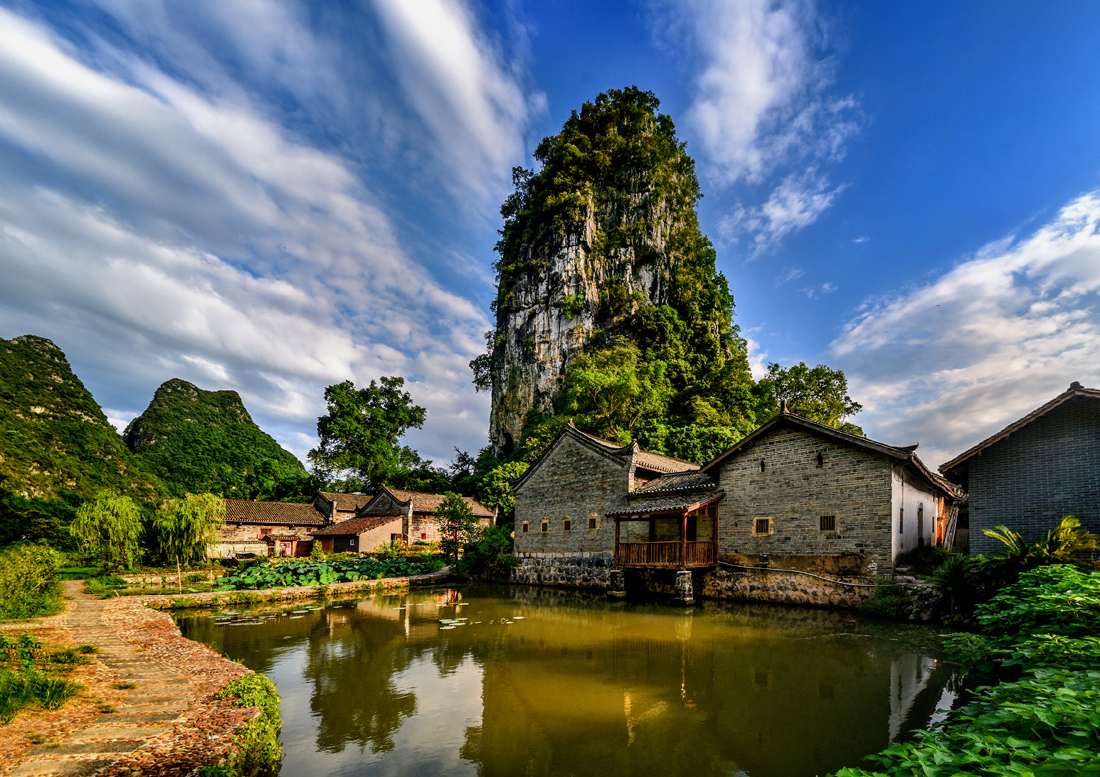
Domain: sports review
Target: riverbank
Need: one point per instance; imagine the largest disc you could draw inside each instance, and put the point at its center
(149, 704)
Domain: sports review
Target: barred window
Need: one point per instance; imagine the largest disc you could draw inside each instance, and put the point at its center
(828, 523)
(762, 526)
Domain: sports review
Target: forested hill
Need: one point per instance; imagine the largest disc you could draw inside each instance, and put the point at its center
(54, 438)
(199, 441)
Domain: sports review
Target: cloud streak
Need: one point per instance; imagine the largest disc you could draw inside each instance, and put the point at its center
(952, 361)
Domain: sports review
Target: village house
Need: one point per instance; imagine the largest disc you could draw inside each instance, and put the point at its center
(267, 528)
(794, 492)
(392, 515)
(337, 507)
(1035, 471)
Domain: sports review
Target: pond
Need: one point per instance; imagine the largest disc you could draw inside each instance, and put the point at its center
(500, 681)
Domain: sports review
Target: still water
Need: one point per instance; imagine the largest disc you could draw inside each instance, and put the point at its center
(497, 681)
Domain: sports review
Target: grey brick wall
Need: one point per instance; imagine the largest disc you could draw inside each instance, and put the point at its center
(853, 485)
(572, 482)
(1046, 470)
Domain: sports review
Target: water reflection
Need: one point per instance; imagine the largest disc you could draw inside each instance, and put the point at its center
(526, 681)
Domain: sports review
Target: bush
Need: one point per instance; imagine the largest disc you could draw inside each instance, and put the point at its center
(258, 749)
(922, 561)
(490, 556)
(890, 602)
(29, 582)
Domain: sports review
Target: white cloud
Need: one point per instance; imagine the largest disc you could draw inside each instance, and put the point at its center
(793, 205)
(792, 274)
(951, 362)
(166, 232)
(860, 239)
(817, 291)
(758, 358)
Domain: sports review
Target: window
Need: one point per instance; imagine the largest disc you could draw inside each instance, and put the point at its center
(820, 460)
(591, 522)
(901, 520)
(423, 535)
(525, 528)
(545, 526)
(761, 465)
(828, 523)
(567, 525)
(395, 538)
(762, 526)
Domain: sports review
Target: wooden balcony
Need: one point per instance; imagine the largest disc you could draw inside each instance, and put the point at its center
(666, 555)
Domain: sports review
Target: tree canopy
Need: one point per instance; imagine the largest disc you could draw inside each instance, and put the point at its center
(817, 393)
(109, 528)
(360, 432)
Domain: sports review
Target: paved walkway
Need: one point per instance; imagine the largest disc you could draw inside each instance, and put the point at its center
(159, 696)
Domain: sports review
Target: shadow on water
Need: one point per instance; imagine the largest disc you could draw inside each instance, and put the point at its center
(498, 681)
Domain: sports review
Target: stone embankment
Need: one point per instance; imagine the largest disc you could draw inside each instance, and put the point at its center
(163, 719)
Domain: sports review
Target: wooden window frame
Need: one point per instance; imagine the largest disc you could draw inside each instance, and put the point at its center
(756, 527)
(567, 524)
(827, 523)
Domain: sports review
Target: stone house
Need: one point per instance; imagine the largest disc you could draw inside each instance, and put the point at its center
(337, 507)
(795, 489)
(392, 515)
(1035, 471)
(267, 528)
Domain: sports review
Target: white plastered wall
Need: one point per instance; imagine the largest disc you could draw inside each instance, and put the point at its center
(910, 497)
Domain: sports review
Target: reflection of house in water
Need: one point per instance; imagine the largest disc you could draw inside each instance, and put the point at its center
(917, 689)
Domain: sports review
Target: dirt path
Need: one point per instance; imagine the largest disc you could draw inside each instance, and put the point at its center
(166, 721)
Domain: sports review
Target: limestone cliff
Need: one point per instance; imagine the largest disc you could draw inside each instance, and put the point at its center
(602, 242)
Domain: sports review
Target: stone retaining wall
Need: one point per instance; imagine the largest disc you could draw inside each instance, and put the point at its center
(572, 570)
(776, 586)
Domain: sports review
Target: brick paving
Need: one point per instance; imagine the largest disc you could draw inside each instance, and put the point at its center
(168, 723)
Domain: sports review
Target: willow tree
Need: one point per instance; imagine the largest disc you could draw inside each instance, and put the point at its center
(186, 527)
(109, 528)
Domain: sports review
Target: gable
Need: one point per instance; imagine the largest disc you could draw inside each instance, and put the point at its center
(572, 443)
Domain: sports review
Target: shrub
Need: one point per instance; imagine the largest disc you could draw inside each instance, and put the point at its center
(890, 602)
(922, 561)
(258, 749)
(29, 582)
(490, 556)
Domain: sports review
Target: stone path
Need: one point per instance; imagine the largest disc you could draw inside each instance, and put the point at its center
(158, 698)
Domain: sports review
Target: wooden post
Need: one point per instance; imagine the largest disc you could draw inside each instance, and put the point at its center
(615, 561)
(684, 541)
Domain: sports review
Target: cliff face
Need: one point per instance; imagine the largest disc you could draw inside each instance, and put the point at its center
(55, 438)
(606, 229)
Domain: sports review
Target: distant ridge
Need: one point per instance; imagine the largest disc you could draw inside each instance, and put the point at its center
(54, 437)
(198, 441)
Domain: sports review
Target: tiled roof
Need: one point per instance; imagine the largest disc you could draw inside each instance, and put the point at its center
(287, 513)
(429, 503)
(692, 480)
(355, 525)
(663, 463)
(1075, 390)
(345, 502)
(668, 504)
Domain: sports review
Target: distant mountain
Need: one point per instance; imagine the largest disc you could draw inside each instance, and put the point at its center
(54, 438)
(198, 441)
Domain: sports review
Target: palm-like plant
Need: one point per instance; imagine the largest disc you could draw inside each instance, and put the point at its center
(1066, 544)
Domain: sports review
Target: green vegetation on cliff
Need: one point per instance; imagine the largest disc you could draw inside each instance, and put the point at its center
(54, 438)
(605, 235)
(200, 441)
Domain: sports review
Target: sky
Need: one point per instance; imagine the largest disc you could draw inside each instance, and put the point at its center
(272, 196)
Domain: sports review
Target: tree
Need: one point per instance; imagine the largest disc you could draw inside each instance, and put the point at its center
(611, 390)
(820, 394)
(359, 433)
(495, 489)
(457, 524)
(109, 527)
(185, 527)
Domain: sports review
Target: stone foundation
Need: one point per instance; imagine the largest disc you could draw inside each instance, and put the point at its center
(571, 570)
(782, 587)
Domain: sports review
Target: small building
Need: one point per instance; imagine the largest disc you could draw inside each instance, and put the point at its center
(565, 497)
(266, 528)
(1035, 471)
(393, 515)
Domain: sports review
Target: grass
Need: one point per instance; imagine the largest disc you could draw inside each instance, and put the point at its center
(32, 676)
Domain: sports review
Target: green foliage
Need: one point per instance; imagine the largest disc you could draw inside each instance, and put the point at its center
(457, 524)
(29, 582)
(1047, 722)
(317, 552)
(54, 438)
(359, 434)
(690, 442)
(104, 586)
(109, 528)
(572, 305)
(30, 675)
(495, 489)
(489, 555)
(1066, 544)
(186, 527)
(258, 750)
(959, 582)
(200, 441)
(817, 393)
(609, 391)
(284, 573)
(890, 602)
(923, 560)
(38, 519)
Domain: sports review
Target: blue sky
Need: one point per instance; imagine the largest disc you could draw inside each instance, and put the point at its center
(274, 196)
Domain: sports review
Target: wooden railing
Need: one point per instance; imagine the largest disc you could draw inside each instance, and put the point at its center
(667, 555)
